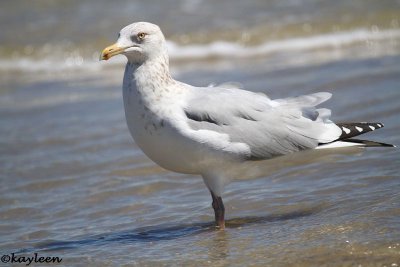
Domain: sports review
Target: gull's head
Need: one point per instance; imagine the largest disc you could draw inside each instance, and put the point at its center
(138, 42)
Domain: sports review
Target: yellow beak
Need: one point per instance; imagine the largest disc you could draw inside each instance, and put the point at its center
(111, 51)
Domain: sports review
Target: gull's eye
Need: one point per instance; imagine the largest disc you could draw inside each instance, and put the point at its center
(141, 35)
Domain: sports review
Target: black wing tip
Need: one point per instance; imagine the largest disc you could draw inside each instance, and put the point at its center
(369, 143)
(351, 129)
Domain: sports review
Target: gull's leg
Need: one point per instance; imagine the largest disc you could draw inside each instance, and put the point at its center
(219, 211)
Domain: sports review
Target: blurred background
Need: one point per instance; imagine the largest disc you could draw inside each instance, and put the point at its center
(74, 184)
(47, 35)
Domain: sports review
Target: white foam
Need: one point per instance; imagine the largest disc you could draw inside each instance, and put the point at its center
(226, 49)
(47, 64)
(53, 62)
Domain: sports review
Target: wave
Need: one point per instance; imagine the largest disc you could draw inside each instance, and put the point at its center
(225, 49)
(53, 62)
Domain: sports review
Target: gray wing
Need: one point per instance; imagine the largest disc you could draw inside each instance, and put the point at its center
(262, 128)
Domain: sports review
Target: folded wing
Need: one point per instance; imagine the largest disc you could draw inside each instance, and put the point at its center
(254, 127)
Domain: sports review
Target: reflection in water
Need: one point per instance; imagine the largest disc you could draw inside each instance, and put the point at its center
(219, 249)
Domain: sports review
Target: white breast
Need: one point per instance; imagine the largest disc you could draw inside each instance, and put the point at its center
(149, 122)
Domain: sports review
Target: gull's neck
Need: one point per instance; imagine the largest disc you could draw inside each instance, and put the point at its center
(150, 76)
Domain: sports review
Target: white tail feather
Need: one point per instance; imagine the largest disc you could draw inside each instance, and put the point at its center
(339, 144)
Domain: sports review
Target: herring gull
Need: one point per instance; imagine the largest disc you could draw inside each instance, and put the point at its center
(216, 132)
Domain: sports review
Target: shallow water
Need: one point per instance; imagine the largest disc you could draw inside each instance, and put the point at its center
(75, 185)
